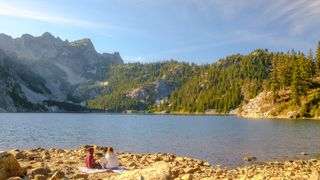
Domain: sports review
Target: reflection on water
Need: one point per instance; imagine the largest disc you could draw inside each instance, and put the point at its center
(218, 139)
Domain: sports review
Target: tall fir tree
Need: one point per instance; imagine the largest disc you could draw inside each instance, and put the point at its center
(274, 75)
(305, 74)
(296, 79)
(310, 64)
(317, 59)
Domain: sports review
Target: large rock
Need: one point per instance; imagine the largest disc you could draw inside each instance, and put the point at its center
(158, 171)
(9, 166)
(315, 175)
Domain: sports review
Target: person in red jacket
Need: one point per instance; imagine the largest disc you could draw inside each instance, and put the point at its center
(90, 162)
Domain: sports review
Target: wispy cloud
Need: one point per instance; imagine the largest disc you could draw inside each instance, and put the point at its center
(299, 16)
(8, 9)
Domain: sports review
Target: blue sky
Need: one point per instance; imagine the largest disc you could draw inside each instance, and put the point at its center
(200, 31)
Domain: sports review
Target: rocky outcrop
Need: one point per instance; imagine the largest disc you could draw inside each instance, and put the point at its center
(9, 166)
(260, 106)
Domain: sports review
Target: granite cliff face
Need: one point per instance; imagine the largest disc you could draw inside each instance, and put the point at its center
(78, 60)
(48, 68)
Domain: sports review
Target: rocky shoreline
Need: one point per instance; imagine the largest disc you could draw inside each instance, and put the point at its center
(54, 164)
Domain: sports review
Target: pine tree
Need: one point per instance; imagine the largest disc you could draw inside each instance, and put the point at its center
(274, 76)
(296, 79)
(305, 74)
(317, 59)
(310, 65)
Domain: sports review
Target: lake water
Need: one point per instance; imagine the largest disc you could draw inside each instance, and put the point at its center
(218, 139)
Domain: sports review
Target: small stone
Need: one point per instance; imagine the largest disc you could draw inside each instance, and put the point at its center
(179, 159)
(187, 177)
(219, 172)
(80, 176)
(57, 175)
(40, 177)
(188, 170)
(15, 178)
(38, 171)
(46, 157)
(249, 158)
(17, 154)
(304, 153)
(131, 164)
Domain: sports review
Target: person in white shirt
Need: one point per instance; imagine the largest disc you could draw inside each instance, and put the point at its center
(110, 160)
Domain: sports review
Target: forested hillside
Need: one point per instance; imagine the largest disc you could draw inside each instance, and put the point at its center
(222, 86)
(142, 87)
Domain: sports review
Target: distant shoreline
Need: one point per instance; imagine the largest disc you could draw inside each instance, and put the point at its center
(172, 113)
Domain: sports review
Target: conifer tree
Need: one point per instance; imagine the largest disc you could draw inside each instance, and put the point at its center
(317, 59)
(274, 76)
(305, 74)
(310, 64)
(296, 79)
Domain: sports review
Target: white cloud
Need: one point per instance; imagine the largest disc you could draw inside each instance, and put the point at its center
(7, 9)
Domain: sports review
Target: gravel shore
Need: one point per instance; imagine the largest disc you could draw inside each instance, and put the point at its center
(54, 164)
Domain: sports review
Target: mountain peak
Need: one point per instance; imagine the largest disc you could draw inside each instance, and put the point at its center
(47, 35)
(82, 42)
(26, 36)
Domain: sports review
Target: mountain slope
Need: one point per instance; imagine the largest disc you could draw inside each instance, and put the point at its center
(16, 83)
(60, 66)
(142, 87)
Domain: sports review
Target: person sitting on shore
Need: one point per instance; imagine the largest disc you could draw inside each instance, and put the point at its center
(110, 160)
(89, 161)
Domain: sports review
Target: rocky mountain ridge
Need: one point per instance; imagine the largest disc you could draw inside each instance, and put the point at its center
(48, 68)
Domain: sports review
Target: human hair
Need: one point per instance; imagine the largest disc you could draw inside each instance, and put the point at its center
(90, 150)
(110, 150)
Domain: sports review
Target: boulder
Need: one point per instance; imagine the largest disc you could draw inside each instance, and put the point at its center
(158, 171)
(315, 175)
(9, 166)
